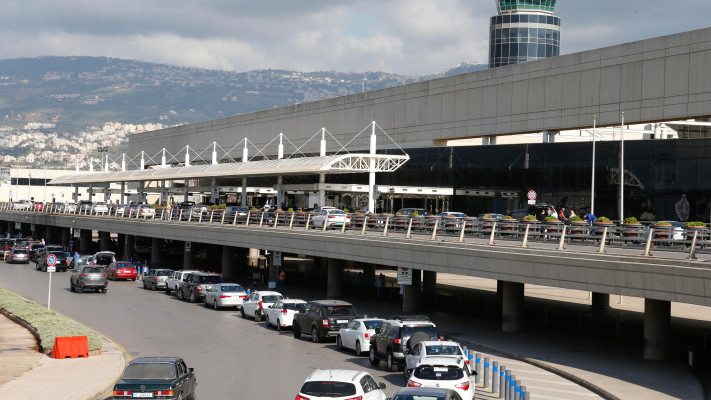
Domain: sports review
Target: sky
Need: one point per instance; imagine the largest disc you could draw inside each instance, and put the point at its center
(409, 37)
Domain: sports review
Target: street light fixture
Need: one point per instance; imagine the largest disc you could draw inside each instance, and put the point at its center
(104, 149)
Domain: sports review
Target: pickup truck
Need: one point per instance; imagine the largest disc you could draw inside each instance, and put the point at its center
(323, 318)
(172, 284)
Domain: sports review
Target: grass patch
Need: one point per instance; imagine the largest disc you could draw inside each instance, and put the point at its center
(47, 323)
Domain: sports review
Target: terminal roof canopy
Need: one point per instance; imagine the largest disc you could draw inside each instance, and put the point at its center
(340, 164)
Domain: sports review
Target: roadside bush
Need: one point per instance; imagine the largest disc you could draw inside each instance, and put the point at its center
(576, 219)
(603, 220)
(47, 323)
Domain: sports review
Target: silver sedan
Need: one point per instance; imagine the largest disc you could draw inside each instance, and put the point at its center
(156, 279)
(225, 295)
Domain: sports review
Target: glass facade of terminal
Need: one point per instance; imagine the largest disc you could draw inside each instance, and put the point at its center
(659, 176)
(523, 31)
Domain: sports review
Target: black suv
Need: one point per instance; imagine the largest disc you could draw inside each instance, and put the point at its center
(34, 249)
(61, 263)
(397, 335)
(323, 318)
(194, 286)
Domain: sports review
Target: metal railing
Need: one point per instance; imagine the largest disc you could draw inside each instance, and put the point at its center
(509, 231)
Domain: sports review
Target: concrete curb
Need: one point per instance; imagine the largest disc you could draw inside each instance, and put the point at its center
(542, 365)
(26, 325)
(99, 394)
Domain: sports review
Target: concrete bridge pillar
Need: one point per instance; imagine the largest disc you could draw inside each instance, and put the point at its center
(104, 241)
(188, 257)
(657, 322)
(334, 288)
(512, 306)
(156, 252)
(11, 227)
(229, 266)
(600, 302)
(128, 246)
(48, 238)
(429, 287)
(85, 245)
(65, 237)
(121, 246)
(412, 294)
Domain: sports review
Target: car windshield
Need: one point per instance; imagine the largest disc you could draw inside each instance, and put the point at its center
(164, 273)
(328, 389)
(409, 330)
(340, 310)
(271, 298)
(444, 350)
(232, 288)
(149, 371)
(92, 270)
(211, 279)
(375, 325)
(298, 307)
(439, 372)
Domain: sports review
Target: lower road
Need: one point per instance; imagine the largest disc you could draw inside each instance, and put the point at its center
(233, 358)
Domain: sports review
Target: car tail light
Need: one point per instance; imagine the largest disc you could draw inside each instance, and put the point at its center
(355, 398)
(225, 297)
(122, 393)
(397, 341)
(324, 322)
(366, 335)
(199, 288)
(462, 386)
(411, 383)
(83, 275)
(243, 296)
(331, 217)
(284, 311)
(300, 397)
(163, 393)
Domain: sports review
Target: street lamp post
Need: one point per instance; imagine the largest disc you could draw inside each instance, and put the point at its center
(622, 166)
(592, 179)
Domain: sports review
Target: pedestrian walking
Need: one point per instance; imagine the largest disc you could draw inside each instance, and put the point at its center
(359, 286)
(379, 286)
(76, 259)
(280, 286)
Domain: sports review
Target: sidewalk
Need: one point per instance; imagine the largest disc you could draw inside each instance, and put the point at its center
(28, 374)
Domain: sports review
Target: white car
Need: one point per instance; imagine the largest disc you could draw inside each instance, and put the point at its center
(146, 211)
(281, 313)
(21, 205)
(357, 334)
(431, 348)
(444, 372)
(330, 217)
(70, 208)
(336, 384)
(225, 295)
(257, 302)
(100, 207)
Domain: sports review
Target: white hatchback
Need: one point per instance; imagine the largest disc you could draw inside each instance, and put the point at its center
(431, 348)
(281, 313)
(444, 372)
(357, 334)
(330, 217)
(257, 303)
(337, 384)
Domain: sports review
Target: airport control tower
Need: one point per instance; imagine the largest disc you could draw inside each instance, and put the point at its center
(524, 30)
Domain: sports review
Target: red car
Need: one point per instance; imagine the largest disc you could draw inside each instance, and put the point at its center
(122, 270)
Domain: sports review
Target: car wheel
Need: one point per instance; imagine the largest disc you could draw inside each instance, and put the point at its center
(256, 316)
(71, 287)
(405, 374)
(144, 285)
(133, 279)
(392, 366)
(97, 290)
(278, 327)
(179, 293)
(266, 319)
(192, 296)
(167, 290)
(372, 358)
(214, 305)
(358, 350)
(103, 290)
(154, 287)
(339, 343)
(297, 331)
(314, 335)
(243, 314)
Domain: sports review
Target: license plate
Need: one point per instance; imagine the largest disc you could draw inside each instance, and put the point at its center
(94, 277)
(148, 394)
(342, 321)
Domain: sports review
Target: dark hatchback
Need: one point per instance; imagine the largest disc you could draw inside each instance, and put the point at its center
(156, 378)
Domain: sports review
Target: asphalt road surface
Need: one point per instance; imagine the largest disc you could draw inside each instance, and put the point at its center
(233, 357)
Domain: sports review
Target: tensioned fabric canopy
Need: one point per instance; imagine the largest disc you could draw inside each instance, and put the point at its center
(341, 163)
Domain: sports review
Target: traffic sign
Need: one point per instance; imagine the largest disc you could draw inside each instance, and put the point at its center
(404, 276)
(51, 260)
(531, 195)
(51, 269)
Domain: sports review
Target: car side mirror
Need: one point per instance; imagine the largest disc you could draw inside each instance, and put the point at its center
(191, 370)
(383, 385)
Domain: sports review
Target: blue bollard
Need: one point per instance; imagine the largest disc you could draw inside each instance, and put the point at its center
(512, 387)
(517, 390)
(502, 382)
(507, 385)
(495, 378)
(477, 378)
(487, 372)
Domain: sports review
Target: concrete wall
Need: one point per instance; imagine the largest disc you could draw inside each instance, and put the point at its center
(657, 79)
(653, 278)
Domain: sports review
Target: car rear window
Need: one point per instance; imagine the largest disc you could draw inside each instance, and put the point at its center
(210, 279)
(340, 310)
(409, 330)
(104, 259)
(271, 298)
(164, 273)
(20, 251)
(124, 265)
(298, 307)
(439, 372)
(328, 389)
(149, 371)
(445, 350)
(232, 288)
(373, 324)
(92, 270)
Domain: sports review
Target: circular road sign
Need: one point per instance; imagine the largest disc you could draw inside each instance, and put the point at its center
(531, 195)
(404, 269)
(51, 260)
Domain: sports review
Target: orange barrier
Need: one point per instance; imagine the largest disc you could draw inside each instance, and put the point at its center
(72, 347)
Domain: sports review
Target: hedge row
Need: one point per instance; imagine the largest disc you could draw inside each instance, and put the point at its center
(47, 323)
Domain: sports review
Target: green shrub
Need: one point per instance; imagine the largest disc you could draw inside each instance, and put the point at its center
(631, 220)
(508, 217)
(487, 216)
(694, 223)
(529, 218)
(576, 219)
(551, 218)
(47, 323)
(603, 220)
(663, 223)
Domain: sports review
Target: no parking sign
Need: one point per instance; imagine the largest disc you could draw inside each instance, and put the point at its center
(404, 276)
